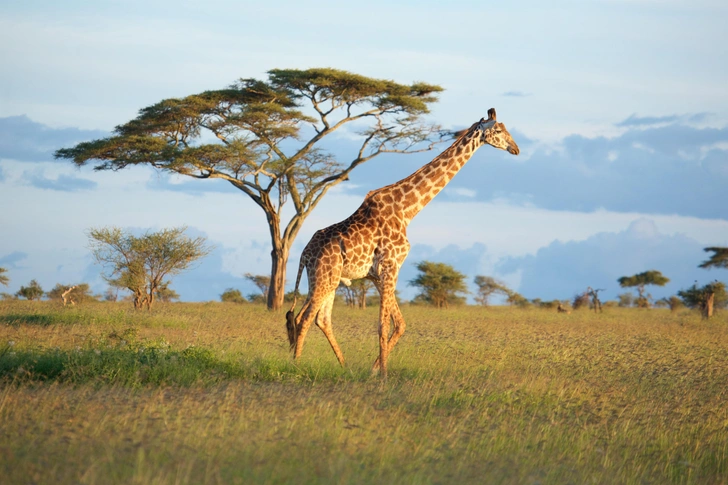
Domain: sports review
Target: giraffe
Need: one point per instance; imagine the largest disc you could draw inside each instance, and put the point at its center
(372, 242)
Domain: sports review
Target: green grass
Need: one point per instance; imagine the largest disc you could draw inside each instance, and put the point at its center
(207, 393)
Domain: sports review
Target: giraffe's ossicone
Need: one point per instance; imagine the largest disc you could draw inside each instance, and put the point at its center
(372, 242)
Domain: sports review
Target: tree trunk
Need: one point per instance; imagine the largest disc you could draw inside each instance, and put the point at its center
(708, 306)
(150, 299)
(277, 289)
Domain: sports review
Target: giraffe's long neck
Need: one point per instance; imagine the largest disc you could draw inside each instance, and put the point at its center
(413, 193)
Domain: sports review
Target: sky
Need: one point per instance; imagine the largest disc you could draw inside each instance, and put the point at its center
(620, 109)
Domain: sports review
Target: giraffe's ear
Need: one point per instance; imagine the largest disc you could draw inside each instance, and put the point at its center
(491, 114)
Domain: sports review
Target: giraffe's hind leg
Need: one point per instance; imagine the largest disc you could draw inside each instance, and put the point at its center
(323, 320)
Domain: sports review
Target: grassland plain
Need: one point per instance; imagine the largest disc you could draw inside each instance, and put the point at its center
(207, 393)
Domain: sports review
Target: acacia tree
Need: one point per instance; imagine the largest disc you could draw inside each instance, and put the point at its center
(262, 282)
(719, 259)
(440, 284)
(596, 302)
(4, 280)
(357, 292)
(640, 280)
(487, 287)
(31, 292)
(705, 298)
(260, 145)
(625, 299)
(232, 295)
(140, 264)
(674, 303)
(712, 294)
(71, 293)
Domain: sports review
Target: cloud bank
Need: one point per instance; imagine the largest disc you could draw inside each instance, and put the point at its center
(562, 269)
(26, 140)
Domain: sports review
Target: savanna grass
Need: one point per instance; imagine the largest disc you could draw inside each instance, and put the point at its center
(207, 393)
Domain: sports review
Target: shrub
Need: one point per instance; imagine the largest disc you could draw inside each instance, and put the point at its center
(231, 295)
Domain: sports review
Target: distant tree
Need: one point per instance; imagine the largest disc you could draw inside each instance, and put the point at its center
(345, 291)
(31, 292)
(262, 282)
(595, 302)
(231, 295)
(166, 294)
(261, 147)
(4, 280)
(7, 296)
(440, 284)
(580, 300)
(111, 294)
(516, 299)
(72, 294)
(256, 298)
(712, 295)
(674, 303)
(719, 259)
(357, 293)
(141, 264)
(705, 298)
(641, 280)
(487, 287)
(549, 305)
(625, 300)
(544, 304)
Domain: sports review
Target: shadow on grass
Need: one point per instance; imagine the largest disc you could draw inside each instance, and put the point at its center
(157, 365)
(15, 319)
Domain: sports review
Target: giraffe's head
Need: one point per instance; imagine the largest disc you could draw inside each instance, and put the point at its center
(494, 133)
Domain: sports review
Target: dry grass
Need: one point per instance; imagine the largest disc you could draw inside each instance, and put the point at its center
(207, 393)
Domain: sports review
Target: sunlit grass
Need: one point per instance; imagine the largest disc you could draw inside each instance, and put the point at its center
(207, 393)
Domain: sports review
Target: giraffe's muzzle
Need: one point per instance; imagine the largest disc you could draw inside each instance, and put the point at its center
(513, 149)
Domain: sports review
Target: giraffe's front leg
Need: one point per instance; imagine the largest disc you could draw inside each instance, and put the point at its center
(386, 287)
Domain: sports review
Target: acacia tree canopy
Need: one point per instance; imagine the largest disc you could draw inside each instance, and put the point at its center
(488, 286)
(719, 259)
(141, 264)
(31, 292)
(4, 280)
(640, 280)
(260, 145)
(440, 284)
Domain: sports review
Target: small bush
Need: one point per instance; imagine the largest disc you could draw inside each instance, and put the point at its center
(231, 295)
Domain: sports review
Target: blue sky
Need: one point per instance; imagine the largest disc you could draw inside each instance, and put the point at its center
(619, 107)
